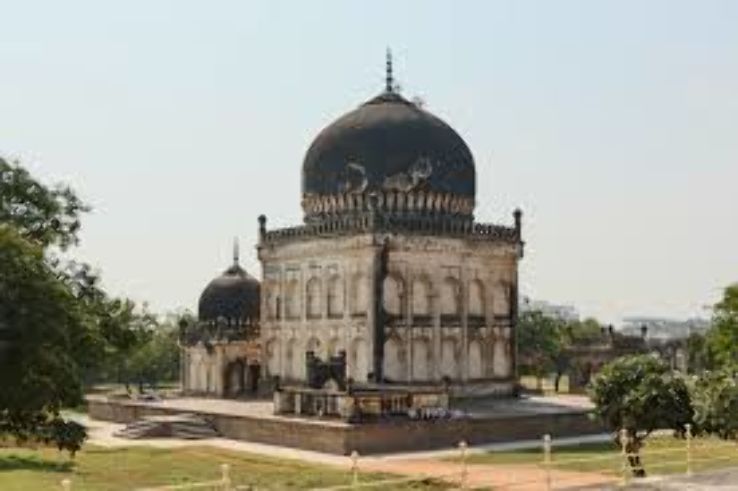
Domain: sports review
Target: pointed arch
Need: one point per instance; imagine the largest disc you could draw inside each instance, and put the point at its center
(476, 298)
(335, 297)
(359, 294)
(421, 296)
(313, 294)
(292, 300)
(394, 290)
(500, 299)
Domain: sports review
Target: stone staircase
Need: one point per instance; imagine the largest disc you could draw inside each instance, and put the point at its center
(184, 426)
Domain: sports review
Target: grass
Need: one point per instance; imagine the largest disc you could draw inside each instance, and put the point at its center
(103, 469)
(661, 455)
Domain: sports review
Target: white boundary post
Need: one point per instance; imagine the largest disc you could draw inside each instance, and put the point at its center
(225, 476)
(624, 453)
(355, 469)
(66, 485)
(547, 459)
(463, 448)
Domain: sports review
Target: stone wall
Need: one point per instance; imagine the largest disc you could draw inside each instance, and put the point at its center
(369, 438)
(449, 305)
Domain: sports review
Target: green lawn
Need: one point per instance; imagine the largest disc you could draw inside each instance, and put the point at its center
(662, 455)
(97, 469)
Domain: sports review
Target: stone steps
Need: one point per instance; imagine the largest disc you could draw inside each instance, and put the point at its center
(184, 426)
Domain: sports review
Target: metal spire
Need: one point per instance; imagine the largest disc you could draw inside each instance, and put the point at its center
(236, 251)
(389, 80)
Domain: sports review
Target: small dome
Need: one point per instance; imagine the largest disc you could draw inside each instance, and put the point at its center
(388, 145)
(233, 296)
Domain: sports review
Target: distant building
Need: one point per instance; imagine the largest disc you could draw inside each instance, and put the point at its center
(566, 313)
(659, 328)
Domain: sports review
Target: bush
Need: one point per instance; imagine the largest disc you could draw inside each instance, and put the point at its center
(640, 394)
(715, 401)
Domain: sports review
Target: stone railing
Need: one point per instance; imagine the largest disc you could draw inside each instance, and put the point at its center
(449, 226)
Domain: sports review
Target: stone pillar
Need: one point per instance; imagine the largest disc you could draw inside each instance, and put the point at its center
(218, 370)
(435, 374)
(464, 294)
(371, 314)
(408, 299)
(280, 324)
(348, 329)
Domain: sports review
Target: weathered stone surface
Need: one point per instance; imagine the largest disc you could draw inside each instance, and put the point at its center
(448, 304)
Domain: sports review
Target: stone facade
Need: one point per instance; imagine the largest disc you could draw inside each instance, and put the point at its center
(226, 369)
(446, 305)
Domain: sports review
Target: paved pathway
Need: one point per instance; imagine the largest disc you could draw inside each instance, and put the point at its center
(717, 480)
(511, 477)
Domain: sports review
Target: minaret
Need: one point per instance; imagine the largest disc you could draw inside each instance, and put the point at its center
(236, 251)
(389, 79)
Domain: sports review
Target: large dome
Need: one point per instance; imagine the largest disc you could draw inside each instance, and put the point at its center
(387, 147)
(233, 296)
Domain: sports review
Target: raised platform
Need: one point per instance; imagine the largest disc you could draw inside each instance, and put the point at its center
(488, 421)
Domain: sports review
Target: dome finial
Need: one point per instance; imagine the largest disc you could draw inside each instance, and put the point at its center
(236, 251)
(389, 80)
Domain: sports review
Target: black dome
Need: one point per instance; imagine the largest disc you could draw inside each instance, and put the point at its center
(233, 296)
(389, 145)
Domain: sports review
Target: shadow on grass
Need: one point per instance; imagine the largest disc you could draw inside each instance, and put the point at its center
(21, 463)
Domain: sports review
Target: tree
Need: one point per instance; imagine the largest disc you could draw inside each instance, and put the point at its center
(572, 335)
(715, 401)
(640, 394)
(42, 327)
(39, 213)
(56, 323)
(722, 338)
(699, 357)
(156, 359)
(539, 342)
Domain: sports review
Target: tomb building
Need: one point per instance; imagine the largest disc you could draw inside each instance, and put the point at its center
(221, 350)
(390, 274)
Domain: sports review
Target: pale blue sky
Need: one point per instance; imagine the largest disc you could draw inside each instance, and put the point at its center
(614, 125)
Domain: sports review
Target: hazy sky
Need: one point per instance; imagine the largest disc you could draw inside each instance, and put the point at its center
(613, 125)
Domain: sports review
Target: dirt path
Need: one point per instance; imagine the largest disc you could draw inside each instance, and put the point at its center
(482, 476)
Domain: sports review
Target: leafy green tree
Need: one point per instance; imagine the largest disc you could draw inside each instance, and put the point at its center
(640, 394)
(56, 324)
(571, 335)
(42, 327)
(41, 214)
(722, 338)
(699, 357)
(157, 359)
(715, 401)
(539, 343)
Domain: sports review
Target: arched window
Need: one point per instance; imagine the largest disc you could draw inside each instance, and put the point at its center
(476, 299)
(335, 296)
(450, 304)
(392, 300)
(500, 300)
(359, 294)
(312, 298)
(292, 300)
(393, 366)
(421, 297)
(422, 364)
(449, 363)
(271, 300)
